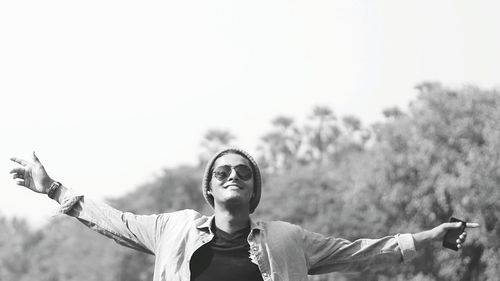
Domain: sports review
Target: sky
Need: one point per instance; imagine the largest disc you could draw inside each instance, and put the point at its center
(109, 93)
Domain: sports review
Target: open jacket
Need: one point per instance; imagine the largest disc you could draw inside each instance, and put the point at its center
(281, 250)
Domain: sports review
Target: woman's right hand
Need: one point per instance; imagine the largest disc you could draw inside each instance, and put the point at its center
(31, 174)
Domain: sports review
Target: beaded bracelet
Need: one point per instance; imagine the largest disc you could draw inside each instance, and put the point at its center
(53, 188)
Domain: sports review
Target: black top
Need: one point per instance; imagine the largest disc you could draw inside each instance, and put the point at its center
(225, 258)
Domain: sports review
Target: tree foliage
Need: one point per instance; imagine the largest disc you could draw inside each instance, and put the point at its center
(331, 175)
(442, 159)
(213, 141)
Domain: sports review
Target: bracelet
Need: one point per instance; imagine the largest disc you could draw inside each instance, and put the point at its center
(53, 188)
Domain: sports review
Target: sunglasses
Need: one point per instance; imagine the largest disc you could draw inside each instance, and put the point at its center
(223, 172)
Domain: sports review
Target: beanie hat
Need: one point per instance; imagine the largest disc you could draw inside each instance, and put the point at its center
(257, 180)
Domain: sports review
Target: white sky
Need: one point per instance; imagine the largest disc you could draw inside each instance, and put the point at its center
(110, 92)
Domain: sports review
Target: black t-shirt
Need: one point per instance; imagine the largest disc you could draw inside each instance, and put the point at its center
(225, 258)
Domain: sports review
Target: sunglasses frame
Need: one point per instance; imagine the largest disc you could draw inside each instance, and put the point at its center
(231, 168)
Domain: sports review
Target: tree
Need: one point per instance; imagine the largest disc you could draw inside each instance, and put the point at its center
(280, 147)
(14, 235)
(440, 158)
(213, 141)
(322, 133)
(443, 159)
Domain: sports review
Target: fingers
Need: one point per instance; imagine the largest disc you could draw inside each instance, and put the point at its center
(18, 176)
(450, 225)
(456, 225)
(461, 239)
(17, 170)
(19, 161)
(21, 182)
(35, 158)
(18, 173)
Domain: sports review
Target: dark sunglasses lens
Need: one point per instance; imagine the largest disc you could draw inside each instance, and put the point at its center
(222, 172)
(244, 172)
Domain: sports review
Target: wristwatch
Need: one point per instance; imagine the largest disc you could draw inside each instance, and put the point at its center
(53, 189)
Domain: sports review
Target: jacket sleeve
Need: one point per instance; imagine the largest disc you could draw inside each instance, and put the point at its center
(139, 232)
(329, 254)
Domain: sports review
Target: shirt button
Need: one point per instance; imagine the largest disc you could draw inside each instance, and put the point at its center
(265, 274)
(255, 248)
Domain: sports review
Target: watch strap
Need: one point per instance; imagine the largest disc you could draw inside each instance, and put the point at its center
(53, 189)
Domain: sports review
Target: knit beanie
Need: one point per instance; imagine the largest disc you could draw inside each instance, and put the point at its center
(257, 180)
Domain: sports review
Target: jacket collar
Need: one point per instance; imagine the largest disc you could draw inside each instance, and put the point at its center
(205, 223)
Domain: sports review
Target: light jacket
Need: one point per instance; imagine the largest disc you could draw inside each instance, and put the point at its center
(281, 250)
